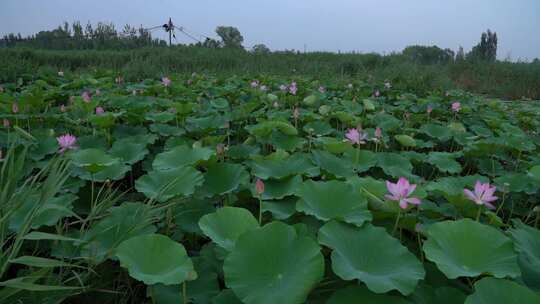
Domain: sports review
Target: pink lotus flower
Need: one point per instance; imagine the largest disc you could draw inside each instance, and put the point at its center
(456, 106)
(99, 110)
(322, 90)
(166, 81)
(66, 142)
(356, 136)
(6, 123)
(482, 195)
(283, 88)
(259, 186)
(254, 83)
(429, 110)
(401, 191)
(86, 97)
(292, 88)
(377, 93)
(15, 107)
(62, 108)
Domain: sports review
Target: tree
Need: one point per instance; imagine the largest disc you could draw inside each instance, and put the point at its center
(211, 43)
(428, 54)
(460, 56)
(260, 49)
(486, 49)
(230, 36)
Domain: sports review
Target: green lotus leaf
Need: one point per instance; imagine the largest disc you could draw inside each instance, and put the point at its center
(48, 214)
(387, 122)
(498, 291)
(220, 103)
(226, 224)
(333, 200)
(369, 105)
(116, 171)
(485, 250)
(405, 140)
(43, 147)
(129, 151)
(226, 296)
(273, 168)
(155, 259)
(188, 214)
(105, 120)
(359, 294)
(394, 164)
(279, 188)
(160, 117)
(167, 130)
(444, 161)
(222, 178)
(273, 264)
(311, 100)
(527, 244)
(372, 256)
(439, 132)
(180, 156)
(264, 129)
(164, 185)
(318, 127)
(366, 159)
(121, 223)
(332, 164)
(517, 182)
(280, 209)
(535, 173)
(92, 160)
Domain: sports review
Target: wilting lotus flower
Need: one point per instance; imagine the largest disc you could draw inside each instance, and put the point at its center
(322, 90)
(292, 88)
(62, 108)
(166, 81)
(356, 136)
(86, 97)
(482, 195)
(283, 88)
(6, 123)
(61, 73)
(134, 92)
(378, 132)
(99, 110)
(387, 85)
(254, 83)
(456, 106)
(15, 107)
(296, 113)
(98, 92)
(220, 148)
(276, 104)
(429, 110)
(350, 86)
(400, 192)
(259, 186)
(66, 142)
(189, 82)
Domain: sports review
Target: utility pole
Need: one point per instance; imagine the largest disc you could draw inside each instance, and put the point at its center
(170, 31)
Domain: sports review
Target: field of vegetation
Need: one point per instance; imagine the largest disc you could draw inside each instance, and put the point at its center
(263, 190)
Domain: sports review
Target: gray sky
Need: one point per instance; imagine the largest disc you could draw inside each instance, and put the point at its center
(326, 25)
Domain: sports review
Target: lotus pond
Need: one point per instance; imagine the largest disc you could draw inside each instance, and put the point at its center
(200, 189)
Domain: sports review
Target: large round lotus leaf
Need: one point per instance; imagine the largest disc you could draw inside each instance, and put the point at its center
(534, 172)
(92, 160)
(265, 129)
(318, 127)
(517, 182)
(272, 265)
(279, 188)
(274, 168)
(48, 214)
(394, 164)
(220, 103)
(226, 224)
(166, 130)
(498, 291)
(405, 140)
(333, 200)
(154, 259)
(188, 214)
(366, 159)
(280, 209)
(360, 295)
(161, 117)
(444, 161)
(223, 178)
(115, 172)
(332, 144)
(527, 244)
(129, 151)
(466, 248)
(44, 146)
(332, 164)
(105, 120)
(226, 296)
(441, 133)
(164, 185)
(180, 156)
(372, 256)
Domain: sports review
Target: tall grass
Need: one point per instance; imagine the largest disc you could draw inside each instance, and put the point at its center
(499, 79)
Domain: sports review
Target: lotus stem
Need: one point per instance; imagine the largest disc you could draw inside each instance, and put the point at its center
(260, 210)
(396, 223)
(478, 214)
(184, 293)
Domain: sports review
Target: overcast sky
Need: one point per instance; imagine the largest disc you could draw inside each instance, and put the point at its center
(322, 25)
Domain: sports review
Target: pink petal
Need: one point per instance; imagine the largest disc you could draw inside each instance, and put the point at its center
(391, 197)
(403, 204)
(413, 200)
(478, 189)
(411, 189)
(489, 206)
(392, 188)
(470, 195)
